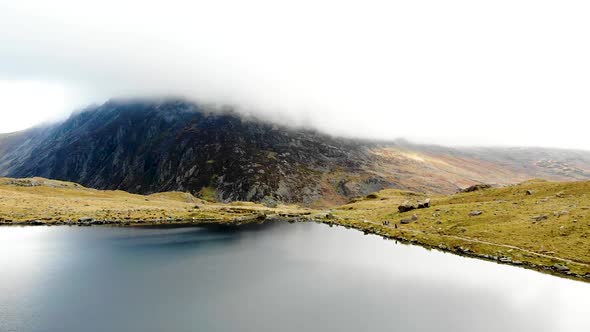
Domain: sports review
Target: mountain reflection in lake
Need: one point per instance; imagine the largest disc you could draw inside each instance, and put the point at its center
(273, 277)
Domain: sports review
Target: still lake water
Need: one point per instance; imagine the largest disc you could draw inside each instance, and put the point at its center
(272, 277)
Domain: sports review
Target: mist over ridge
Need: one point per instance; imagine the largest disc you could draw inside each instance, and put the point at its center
(425, 71)
(147, 146)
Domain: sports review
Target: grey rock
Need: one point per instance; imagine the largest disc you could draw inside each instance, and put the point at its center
(475, 213)
(463, 250)
(476, 187)
(560, 213)
(270, 202)
(540, 217)
(560, 267)
(35, 222)
(424, 204)
(405, 207)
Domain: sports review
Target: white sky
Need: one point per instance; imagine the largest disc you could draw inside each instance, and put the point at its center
(450, 72)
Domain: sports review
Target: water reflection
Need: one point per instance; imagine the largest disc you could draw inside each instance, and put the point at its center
(276, 277)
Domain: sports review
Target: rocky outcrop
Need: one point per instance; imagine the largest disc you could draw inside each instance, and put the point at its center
(476, 187)
(147, 147)
(424, 204)
(405, 207)
(561, 268)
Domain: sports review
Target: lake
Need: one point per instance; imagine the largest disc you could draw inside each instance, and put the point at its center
(271, 277)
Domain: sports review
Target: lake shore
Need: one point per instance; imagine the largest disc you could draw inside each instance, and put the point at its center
(537, 225)
(405, 236)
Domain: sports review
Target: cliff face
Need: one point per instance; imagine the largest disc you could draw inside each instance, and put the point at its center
(148, 146)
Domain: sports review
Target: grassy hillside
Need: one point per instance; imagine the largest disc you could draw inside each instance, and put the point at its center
(57, 202)
(537, 224)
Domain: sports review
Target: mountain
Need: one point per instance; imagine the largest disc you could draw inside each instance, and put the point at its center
(147, 146)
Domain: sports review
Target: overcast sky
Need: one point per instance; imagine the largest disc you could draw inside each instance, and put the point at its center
(449, 72)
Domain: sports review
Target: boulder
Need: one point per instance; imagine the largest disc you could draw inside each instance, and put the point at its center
(476, 187)
(560, 268)
(424, 204)
(405, 207)
(540, 217)
(463, 250)
(505, 259)
(529, 192)
(36, 222)
(560, 213)
(405, 221)
(475, 213)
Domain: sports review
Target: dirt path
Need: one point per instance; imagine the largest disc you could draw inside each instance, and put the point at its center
(499, 245)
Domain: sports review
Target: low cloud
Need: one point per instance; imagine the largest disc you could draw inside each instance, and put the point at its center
(455, 72)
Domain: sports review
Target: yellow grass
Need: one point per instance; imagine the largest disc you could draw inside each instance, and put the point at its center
(54, 201)
(506, 228)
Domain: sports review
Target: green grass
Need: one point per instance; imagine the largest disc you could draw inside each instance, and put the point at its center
(53, 202)
(506, 228)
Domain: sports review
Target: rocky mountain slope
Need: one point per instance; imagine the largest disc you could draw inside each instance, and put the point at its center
(147, 146)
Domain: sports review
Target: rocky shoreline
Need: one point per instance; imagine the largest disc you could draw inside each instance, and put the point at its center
(559, 270)
(86, 222)
(556, 269)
